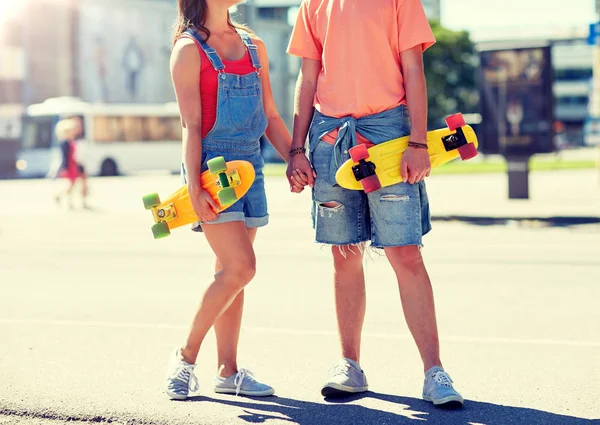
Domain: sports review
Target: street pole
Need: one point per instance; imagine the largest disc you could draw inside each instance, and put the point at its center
(595, 101)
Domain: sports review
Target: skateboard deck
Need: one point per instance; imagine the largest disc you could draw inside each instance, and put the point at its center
(226, 182)
(379, 166)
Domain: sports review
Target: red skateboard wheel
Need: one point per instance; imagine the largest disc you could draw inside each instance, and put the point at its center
(455, 121)
(467, 151)
(371, 183)
(358, 152)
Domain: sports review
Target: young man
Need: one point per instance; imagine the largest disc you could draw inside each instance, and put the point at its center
(362, 71)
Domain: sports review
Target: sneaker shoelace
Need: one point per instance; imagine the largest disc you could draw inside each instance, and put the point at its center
(442, 378)
(339, 368)
(186, 376)
(239, 379)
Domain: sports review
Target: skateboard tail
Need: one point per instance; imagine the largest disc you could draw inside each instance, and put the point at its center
(364, 171)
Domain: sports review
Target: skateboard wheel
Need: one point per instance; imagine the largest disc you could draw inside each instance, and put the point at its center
(161, 230)
(358, 152)
(467, 151)
(371, 183)
(227, 196)
(217, 165)
(151, 200)
(455, 121)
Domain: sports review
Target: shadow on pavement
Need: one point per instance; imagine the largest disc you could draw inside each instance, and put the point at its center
(398, 410)
(558, 221)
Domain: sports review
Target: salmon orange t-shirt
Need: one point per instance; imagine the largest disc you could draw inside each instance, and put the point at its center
(359, 43)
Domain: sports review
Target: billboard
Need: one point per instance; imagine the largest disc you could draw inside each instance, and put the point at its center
(124, 50)
(517, 102)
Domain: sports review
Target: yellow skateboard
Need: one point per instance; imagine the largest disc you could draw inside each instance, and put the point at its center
(379, 166)
(226, 182)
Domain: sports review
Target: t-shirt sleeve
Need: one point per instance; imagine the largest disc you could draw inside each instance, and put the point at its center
(303, 42)
(413, 26)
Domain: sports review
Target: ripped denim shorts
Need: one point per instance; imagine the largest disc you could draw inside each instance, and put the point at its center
(396, 215)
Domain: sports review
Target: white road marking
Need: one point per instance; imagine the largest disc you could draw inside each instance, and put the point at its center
(307, 332)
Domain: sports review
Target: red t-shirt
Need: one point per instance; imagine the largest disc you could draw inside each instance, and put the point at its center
(209, 83)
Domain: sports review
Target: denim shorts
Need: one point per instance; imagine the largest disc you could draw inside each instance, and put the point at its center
(252, 207)
(396, 215)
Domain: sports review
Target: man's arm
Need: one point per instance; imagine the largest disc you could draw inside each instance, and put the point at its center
(306, 87)
(415, 162)
(416, 92)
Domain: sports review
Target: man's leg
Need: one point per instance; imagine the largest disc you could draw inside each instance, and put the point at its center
(340, 218)
(417, 301)
(400, 215)
(346, 376)
(350, 297)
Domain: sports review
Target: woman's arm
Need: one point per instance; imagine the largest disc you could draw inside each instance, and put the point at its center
(276, 132)
(185, 73)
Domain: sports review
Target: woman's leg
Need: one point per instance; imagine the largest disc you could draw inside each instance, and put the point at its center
(233, 247)
(227, 329)
(84, 187)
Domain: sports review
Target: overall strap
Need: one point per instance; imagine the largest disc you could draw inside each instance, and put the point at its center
(252, 49)
(211, 53)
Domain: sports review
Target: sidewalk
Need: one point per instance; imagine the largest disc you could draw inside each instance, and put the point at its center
(567, 193)
(573, 193)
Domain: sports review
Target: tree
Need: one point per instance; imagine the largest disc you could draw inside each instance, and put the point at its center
(450, 66)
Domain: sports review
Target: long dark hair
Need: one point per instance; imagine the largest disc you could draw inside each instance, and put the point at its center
(192, 14)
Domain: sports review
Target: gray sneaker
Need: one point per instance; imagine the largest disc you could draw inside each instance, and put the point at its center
(180, 378)
(345, 377)
(242, 383)
(438, 388)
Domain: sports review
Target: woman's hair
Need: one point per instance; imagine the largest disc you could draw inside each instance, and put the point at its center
(192, 14)
(64, 128)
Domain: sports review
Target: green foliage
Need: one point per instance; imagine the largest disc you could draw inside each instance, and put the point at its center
(450, 66)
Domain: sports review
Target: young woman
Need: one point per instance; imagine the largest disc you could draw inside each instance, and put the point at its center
(220, 72)
(68, 131)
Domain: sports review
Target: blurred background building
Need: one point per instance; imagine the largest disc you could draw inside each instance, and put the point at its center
(117, 51)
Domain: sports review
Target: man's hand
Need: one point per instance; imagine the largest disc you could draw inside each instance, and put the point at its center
(300, 173)
(415, 165)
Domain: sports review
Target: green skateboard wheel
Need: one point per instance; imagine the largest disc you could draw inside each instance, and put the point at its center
(227, 196)
(161, 230)
(150, 201)
(217, 165)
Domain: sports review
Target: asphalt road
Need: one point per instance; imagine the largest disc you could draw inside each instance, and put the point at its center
(91, 305)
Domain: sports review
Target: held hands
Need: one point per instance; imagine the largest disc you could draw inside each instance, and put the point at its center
(300, 173)
(204, 205)
(415, 165)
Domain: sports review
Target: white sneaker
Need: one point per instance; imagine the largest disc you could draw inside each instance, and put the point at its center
(438, 388)
(242, 383)
(180, 378)
(345, 377)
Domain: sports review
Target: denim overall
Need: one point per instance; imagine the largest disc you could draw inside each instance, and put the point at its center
(239, 124)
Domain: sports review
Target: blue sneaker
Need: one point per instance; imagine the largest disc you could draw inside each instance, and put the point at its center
(180, 378)
(345, 378)
(438, 388)
(242, 383)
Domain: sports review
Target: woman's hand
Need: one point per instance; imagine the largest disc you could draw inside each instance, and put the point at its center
(300, 173)
(204, 205)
